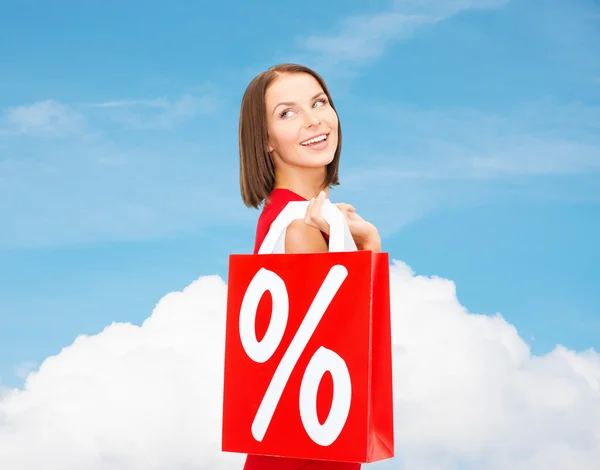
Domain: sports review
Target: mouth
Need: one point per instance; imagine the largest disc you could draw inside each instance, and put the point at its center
(315, 140)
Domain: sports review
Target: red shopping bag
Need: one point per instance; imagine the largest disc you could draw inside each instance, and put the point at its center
(308, 360)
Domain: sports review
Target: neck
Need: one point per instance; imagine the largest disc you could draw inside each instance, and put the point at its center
(308, 182)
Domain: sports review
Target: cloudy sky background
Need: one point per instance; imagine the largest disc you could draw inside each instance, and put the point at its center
(471, 138)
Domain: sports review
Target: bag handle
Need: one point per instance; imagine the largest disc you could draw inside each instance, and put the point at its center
(340, 238)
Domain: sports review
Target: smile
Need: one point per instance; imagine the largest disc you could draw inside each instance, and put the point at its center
(314, 140)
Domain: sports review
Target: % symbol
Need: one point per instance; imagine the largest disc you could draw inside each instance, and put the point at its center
(323, 359)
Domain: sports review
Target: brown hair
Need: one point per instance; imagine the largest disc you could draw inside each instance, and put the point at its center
(257, 171)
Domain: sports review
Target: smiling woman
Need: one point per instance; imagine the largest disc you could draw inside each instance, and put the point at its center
(290, 141)
(282, 111)
(290, 146)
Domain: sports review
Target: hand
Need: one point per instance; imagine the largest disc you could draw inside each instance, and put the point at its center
(364, 233)
(313, 215)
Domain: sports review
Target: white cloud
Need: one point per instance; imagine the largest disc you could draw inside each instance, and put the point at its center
(364, 38)
(147, 187)
(445, 8)
(156, 103)
(51, 118)
(125, 191)
(128, 398)
(468, 392)
(159, 113)
(44, 118)
(537, 138)
(3, 390)
(22, 370)
(432, 159)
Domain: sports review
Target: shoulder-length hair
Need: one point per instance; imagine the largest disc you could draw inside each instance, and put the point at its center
(257, 171)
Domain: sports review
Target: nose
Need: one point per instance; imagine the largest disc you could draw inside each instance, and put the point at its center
(312, 119)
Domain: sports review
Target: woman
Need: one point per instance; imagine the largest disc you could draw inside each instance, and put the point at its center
(290, 144)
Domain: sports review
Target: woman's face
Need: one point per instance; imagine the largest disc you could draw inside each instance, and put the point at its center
(302, 125)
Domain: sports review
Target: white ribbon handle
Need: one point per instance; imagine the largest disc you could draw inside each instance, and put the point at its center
(340, 238)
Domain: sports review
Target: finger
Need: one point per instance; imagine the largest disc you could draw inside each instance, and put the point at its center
(314, 216)
(315, 211)
(318, 205)
(347, 214)
(354, 216)
(310, 215)
(307, 218)
(345, 207)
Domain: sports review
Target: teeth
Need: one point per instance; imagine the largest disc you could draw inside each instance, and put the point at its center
(315, 140)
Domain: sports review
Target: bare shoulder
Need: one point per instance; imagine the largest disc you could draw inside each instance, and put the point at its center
(302, 238)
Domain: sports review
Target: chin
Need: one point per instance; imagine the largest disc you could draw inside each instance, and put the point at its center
(317, 158)
(318, 162)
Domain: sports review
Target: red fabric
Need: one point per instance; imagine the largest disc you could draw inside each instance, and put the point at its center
(278, 199)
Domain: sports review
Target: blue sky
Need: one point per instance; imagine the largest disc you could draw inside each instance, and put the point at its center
(471, 139)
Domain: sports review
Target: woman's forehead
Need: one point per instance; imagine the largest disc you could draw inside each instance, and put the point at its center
(293, 88)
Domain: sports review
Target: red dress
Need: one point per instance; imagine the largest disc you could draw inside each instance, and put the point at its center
(278, 199)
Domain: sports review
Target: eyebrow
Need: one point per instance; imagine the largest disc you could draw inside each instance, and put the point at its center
(291, 103)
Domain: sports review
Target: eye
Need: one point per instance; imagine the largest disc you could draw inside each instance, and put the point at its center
(320, 102)
(285, 113)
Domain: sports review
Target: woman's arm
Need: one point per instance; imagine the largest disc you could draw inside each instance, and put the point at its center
(303, 238)
(373, 243)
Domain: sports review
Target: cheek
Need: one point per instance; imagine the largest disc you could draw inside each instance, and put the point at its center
(285, 135)
(332, 119)
(274, 136)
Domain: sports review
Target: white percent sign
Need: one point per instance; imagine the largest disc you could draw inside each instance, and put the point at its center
(323, 360)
